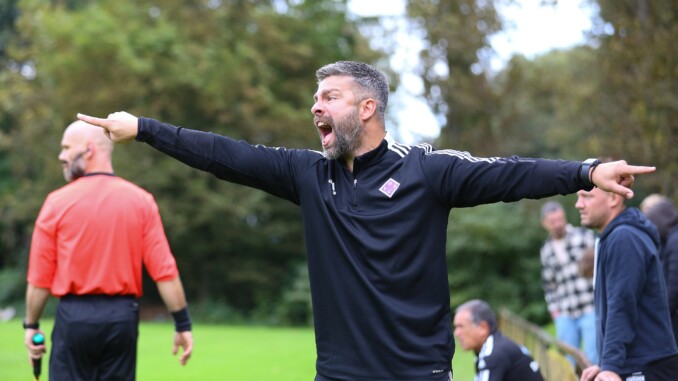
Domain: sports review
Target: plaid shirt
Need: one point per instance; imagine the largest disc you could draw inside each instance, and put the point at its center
(566, 291)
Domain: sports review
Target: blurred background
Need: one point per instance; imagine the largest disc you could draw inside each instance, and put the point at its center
(461, 78)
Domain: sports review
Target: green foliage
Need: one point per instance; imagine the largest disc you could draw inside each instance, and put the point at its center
(493, 254)
(8, 15)
(243, 68)
(638, 70)
(12, 285)
(542, 104)
(457, 34)
(295, 307)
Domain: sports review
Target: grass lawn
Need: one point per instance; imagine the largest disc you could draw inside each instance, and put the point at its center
(222, 352)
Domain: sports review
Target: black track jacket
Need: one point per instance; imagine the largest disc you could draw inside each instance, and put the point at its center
(375, 238)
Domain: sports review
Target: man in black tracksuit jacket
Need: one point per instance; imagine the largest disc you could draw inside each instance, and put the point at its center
(498, 358)
(375, 215)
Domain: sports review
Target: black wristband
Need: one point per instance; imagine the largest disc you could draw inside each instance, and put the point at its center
(182, 321)
(35, 325)
(585, 172)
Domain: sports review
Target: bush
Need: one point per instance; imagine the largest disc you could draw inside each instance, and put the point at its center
(12, 286)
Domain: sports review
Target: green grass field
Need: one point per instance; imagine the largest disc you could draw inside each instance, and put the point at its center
(222, 352)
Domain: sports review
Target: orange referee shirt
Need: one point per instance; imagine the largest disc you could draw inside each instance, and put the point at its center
(92, 236)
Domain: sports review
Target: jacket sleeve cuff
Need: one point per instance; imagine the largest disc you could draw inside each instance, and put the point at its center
(610, 367)
(143, 133)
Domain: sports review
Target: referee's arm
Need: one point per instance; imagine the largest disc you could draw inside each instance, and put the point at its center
(36, 299)
(172, 293)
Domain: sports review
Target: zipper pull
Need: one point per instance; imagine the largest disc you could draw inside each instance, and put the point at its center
(334, 192)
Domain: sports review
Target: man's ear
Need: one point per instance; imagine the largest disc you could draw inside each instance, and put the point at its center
(485, 327)
(614, 200)
(368, 107)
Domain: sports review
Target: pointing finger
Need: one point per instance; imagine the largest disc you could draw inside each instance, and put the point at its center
(105, 123)
(639, 169)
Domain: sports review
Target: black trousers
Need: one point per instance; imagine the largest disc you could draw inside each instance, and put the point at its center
(95, 339)
(665, 369)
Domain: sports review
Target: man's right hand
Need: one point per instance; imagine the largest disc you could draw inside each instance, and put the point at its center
(120, 126)
(35, 351)
(590, 373)
(184, 340)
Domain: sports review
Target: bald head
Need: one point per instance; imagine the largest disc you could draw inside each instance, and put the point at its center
(84, 149)
(90, 134)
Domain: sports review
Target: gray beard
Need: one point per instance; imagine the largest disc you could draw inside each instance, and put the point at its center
(346, 137)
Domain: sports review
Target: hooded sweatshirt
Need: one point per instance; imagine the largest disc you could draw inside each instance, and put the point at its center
(632, 317)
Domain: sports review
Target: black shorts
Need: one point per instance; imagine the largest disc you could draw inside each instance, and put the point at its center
(95, 338)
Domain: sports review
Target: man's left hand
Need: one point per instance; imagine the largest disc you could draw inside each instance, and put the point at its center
(618, 177)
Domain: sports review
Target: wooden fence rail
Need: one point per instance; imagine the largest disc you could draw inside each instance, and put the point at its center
(549, 352)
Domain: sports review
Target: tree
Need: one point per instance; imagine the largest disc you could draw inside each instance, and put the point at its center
(637, 104)
(493, 254)
(543, 103)
(8, 15)
(454, 67)
(240, 68)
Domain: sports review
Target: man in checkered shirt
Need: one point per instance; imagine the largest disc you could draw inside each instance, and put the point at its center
(569, 295)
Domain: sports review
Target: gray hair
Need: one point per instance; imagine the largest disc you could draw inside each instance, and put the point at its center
(651, 201)
(480, 311)
(371, 82)
(550, 207)
(662, 213)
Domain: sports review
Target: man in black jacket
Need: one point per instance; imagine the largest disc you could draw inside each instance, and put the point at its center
(375, 214)
(498, 358)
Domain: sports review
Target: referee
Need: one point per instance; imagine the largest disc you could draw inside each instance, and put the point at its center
(90, 242)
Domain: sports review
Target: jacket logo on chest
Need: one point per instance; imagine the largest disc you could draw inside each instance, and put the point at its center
(389, 187)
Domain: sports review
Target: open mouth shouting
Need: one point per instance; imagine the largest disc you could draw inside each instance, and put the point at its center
(326, 132)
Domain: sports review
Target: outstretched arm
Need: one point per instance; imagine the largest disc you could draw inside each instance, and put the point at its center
(617, 177)
(172, 293)
(120, 126)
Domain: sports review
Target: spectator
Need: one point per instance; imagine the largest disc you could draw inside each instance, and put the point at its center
(569, 295)
(662, 213)
(633, 326)
(498, 358)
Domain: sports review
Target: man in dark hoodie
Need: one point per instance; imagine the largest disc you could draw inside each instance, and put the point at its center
(662, 213)
(633, 327)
